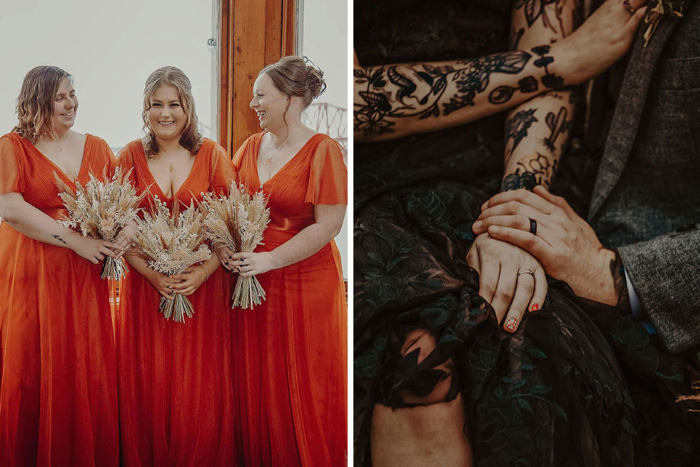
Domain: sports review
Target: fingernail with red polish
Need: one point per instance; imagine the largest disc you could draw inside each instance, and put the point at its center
(511, 324)
(535, 307)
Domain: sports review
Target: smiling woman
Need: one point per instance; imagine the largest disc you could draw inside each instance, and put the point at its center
(167, 370)
(58, 397)
(289, 353)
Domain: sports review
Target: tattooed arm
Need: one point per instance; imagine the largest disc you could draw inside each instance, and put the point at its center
(396, 100)
(536, 132)
(393, 101)
(36, 224)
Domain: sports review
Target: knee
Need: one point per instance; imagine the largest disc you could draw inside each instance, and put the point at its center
(445, 389)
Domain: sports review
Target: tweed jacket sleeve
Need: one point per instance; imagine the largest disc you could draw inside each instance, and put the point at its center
(647, 184)
(665, 273)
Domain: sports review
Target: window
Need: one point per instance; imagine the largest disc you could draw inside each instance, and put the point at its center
(110, 48)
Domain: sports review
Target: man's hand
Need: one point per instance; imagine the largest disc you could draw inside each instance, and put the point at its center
(565, 244)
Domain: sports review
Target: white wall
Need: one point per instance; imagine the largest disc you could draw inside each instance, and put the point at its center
(325, 42)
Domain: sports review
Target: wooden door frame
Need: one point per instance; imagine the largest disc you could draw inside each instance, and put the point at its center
(252, 34)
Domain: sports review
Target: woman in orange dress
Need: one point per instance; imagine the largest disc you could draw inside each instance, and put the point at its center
(174, 378)
(290, 366)
(58, 378)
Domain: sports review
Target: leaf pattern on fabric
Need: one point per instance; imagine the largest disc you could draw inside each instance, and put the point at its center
(576, 375)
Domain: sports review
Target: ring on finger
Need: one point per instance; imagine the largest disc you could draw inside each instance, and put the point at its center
(628, 6)
(526, 271)
(533, 226)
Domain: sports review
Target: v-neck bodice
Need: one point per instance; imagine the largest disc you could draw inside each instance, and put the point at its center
(212, 171)
(35, 174)
(155, 186)
(315, 175)
(59, 171)
(284, 166)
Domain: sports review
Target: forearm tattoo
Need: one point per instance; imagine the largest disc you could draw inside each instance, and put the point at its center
(421, 90)
(549, 80)
(528, 174)
(59, 239)
(535, 9)
(502, 94)
(515, 37)
(619, 281)
(516, 128)
(557, 125)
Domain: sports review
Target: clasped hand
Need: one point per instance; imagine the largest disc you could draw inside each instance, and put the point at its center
(564, 243)
(503, 280)
(185, 283)
(245, 264)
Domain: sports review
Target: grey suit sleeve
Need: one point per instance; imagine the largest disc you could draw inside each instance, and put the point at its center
(665, 272)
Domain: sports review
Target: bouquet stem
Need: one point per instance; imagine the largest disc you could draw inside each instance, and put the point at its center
(176, 308)
(248, 293)
(114, 269)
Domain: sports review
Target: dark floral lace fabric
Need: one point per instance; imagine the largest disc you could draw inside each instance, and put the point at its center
(579, 384)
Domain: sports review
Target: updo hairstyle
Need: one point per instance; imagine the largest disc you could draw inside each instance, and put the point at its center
(293, 77)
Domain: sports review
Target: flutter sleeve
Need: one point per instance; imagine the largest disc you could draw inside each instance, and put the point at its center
(125, 162)
(11, 166)
(108, 158)
(328, 179)
(222, 171)
(238, 160)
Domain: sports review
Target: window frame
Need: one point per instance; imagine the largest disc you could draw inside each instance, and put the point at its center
(244, 49)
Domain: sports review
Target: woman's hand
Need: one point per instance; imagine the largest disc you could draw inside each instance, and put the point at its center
(504, 282)
(225, 255)
(93, 249)
(251, 264)
(600, 41)
(563, 242)
(124, 238)
(162, 283)
(190, 280)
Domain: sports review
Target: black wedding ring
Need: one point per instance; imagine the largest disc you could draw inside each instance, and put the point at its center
(533, 226)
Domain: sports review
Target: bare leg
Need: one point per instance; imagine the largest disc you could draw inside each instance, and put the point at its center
(431, 434)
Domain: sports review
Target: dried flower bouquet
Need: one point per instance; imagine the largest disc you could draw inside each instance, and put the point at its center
(171, 244)
(102, 209)
(238, 221)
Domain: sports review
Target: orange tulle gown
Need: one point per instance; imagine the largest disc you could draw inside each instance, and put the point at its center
(290, 354)
(175, 404)
(58, 376)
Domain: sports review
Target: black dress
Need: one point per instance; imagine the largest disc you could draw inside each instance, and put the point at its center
(579, 383)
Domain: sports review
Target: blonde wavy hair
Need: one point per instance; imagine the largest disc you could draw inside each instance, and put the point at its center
(191, 138)
(35, 102)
